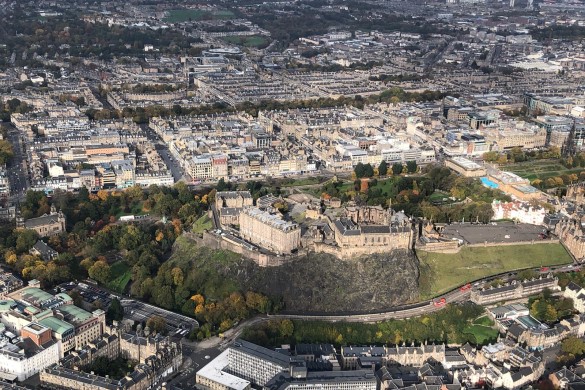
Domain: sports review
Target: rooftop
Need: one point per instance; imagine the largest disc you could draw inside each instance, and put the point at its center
(271, 219)
(261, 352)
(56, 325)
(214, 371)
(75, 314)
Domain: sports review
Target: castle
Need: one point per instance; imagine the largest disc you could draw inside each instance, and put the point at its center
(343, 232)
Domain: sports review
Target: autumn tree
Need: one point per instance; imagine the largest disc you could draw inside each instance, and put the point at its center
(6, 152)
(286, 328)
(157, 324)
(100, 271)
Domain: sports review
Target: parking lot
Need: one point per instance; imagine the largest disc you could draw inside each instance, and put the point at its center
(500, 232)
(177, 324)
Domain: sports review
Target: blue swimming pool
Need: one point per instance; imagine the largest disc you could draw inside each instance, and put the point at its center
(488, 183)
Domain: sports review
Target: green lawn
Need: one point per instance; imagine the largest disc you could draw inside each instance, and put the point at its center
(202, 224)
(540, 169)
(304, 181)
(121, 274)
(247, 41)
(223, 14)
(441, 272)
(184, 15)
(482, 334)
(484, 320)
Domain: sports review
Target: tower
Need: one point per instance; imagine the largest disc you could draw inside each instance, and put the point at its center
(568, 148)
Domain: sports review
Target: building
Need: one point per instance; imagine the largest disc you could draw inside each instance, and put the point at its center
(301, 379)
(465, 167)
(254, 363)
(28, 356)
(513, 291)
(215, 377)
(61, 331)
(269, 231)
(521, 212)
(156, 363)
(570, 232)
(8, 284)
(577, 294)
(44, 251)
(514, 185)
(233, 199)
(46, 225)
(88, 326)
(229, 204)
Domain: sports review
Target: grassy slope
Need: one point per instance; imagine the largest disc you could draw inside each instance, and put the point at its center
(248, 41)
(202, 224)
(447, 271)
(120, 276)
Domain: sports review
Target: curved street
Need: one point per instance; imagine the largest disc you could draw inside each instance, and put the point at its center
(415, 310)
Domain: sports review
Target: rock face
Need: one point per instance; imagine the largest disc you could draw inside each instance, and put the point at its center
(322, 283)
(315, 283)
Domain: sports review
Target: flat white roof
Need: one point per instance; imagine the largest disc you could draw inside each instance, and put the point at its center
(466, 164)
(214, 372)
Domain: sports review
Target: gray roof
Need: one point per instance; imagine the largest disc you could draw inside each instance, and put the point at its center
(40, 221)
(261, 352)
(375, 229)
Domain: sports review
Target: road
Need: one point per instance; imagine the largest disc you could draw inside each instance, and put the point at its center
(426, 307)
(17, 168)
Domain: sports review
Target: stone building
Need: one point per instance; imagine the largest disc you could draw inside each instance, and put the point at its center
(269, 231)
(354, 358)
(513, 291)
(237, 199)
(570, 232)
(46, 225)
(368, 214)
(229, 205)
(576, 193)
(157, 358)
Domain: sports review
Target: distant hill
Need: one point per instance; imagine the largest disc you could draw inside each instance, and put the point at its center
(314, 283)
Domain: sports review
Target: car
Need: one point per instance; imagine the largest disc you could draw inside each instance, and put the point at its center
(465, 287)
(544, 269)
(207, 357)
(440, 302)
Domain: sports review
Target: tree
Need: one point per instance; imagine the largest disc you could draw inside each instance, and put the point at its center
(383, 168)
(491, 156)
(6, 152)
(100, 271)
(157, 324)
(573, 345)
(411, 166)
(25, 240)
(178, 277)
(221, 185)
(115, 311)
(397, 168)
(286, 328)
(359, 170)
(363, 170)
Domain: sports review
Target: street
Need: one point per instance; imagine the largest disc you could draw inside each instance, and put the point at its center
(17, 168)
